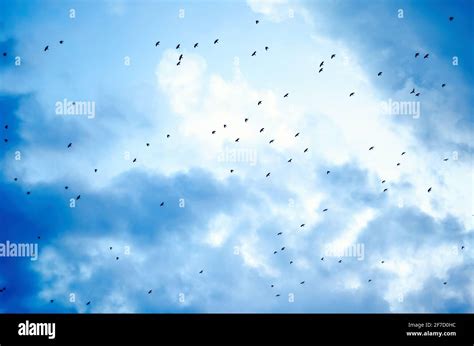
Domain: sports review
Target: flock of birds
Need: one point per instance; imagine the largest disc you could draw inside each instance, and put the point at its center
(320, 69)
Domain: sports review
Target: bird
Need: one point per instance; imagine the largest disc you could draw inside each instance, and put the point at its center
(290, 160)
(320, 70)
(148, 144)
(95, 170)
(286, 95)
(274, 252)
(213, 132)
(325, 209)
(283, 248)
(413, 91)
(78, 197)
(462, 247)
(385, 190)
(167, 136)
(178, 63)
(272, 285)
(254, 53)
(231, 171)
(302, 282)
(322, 258)
(180, 57)
(297, 134)
(51, 301)
(162, 204)
(271, 141)
(179, 45)
(417, 94)
(277, 295)
(403, 153)
(445, 283)
(66, 187)
(261, 130)
(257, 21)
(451, 19)
(225, 125)
(259, 103)
(157, 43)
(4, 53)
(6, 127)
(429, 190)
(61, 42)
(16, 179)
(351, 94)
(6, 140)
(28, 192)
(321, 64)
(305, 150)
(383, 181)
(246, 119)
(382, 262)
(291, 262)
(216, 40)
(379, 74)
(443, 85)
(268, 174)
(201, 271)
(333, 56)
(69, 145)
(426, 56)
(134, 160)
(266, 48)
(196, 44)
(340, 261)
(237, 140)
(398, 164)
(88, 303)
(302, 225)
(279, 233)
(149, 292)
(46, 48)
(371, 148)
(417, 54)
(327, 172)
(110, 248)
(369, 280)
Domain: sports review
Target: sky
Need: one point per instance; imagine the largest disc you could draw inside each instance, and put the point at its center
(161, 215)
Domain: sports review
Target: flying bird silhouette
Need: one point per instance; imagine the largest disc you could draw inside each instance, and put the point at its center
(46, 48)
(451, 19)
(61, 42)
(290, 160)
(257, 21)
(259, 103)
(286, 95)
(351, 94)
(254, 53)
(429, 190)
(271, 141)
(302, 225)
(149, 292)
(157, 43)
(417, 54)
(179, 45)
(305, 150)
(371, 148)
(69, 145)
(327, 172)
(379, 74)
(302, 282)
(426, 56)
(201, 271)
(320, 70)
(196, 44)
(268, 174)
(237, 140)
(162, 204)
(261, 130)
(216, 40)
(333, 56)
(413, 91)
(385, 190)
(321, 64)
(266, 48)
(443, 85)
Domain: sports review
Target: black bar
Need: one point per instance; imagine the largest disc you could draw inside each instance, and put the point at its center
(290, 329)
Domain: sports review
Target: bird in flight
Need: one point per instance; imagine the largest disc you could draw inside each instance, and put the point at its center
(201, 271)
(286, 95)
(351, 94)
(46, 48)
(451, 19)
(325, 209)
(261, 130)
(333, 56)
(290, 160)
(268, 174)
(254, 53)
(279, 233)
(157, 43)
(403, 153)
(266, 48)
(426, 56)
(327, 172)
(162, 204)
(305, 150)
(69, 145)
(413, 91)
(149, 292)
(443, 85)
(429, 190)
(213, 132)
(297, 134)
(216, 40)
(379, 74)
(196, 44)
(371, 148)
(321, 64)
(320, 70)
(179, 45)
(302, 283)
(302, 225)
(180, 57)
(257, 21)
(259, 103)
(417, 54)
(271, 141)
(237, 140)
(385, 190)
(61, 42)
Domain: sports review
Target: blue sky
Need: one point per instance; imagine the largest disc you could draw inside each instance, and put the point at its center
(227, 224)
